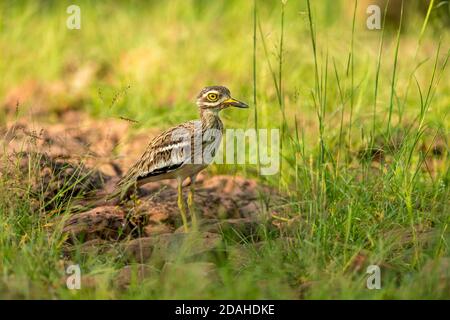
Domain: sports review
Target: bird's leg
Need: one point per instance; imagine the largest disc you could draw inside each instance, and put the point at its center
(129, 192)
(181, 205)
(133, 194)
(191, 202)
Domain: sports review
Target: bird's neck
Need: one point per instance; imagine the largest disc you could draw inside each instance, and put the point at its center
(210, 118)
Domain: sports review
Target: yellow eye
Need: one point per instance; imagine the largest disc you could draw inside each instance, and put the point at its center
(212, 96)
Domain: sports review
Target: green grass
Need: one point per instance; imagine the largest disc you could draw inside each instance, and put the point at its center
(335, 90)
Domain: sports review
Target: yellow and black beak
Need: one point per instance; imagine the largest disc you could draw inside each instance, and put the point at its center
(235, 103)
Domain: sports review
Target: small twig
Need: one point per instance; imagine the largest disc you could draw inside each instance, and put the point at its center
(128, 119)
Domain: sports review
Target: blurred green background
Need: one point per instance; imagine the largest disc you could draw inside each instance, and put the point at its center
(160, 54)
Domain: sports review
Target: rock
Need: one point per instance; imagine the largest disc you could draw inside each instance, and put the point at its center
(439, 267)
(87, 282)
(140, 249)
(106, 222)
(157, 229)
(243, 226)
(91, 281)
(91, 247)
(168, 247)
(135, 273)
(207, 271)
(186, 245)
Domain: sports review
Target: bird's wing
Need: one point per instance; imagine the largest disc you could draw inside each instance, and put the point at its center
(165, 153)
(164, 160)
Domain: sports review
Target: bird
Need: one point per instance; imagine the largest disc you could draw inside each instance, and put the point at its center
(182, 151)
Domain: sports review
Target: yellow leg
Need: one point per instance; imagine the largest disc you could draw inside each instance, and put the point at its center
(181, 205)
(191, 204)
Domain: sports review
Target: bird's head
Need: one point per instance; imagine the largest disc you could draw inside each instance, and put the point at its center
(216, 98)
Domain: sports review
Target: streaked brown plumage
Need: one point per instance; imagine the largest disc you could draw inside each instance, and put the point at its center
(182, 151)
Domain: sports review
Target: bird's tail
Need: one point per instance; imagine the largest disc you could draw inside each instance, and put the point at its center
(122, 191)
(112, 199)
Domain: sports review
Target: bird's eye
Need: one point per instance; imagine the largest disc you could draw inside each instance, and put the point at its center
(212, 96)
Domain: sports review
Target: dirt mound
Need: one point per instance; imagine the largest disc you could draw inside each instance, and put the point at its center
(221, 202)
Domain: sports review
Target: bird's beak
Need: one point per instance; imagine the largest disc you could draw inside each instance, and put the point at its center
(235, 103)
